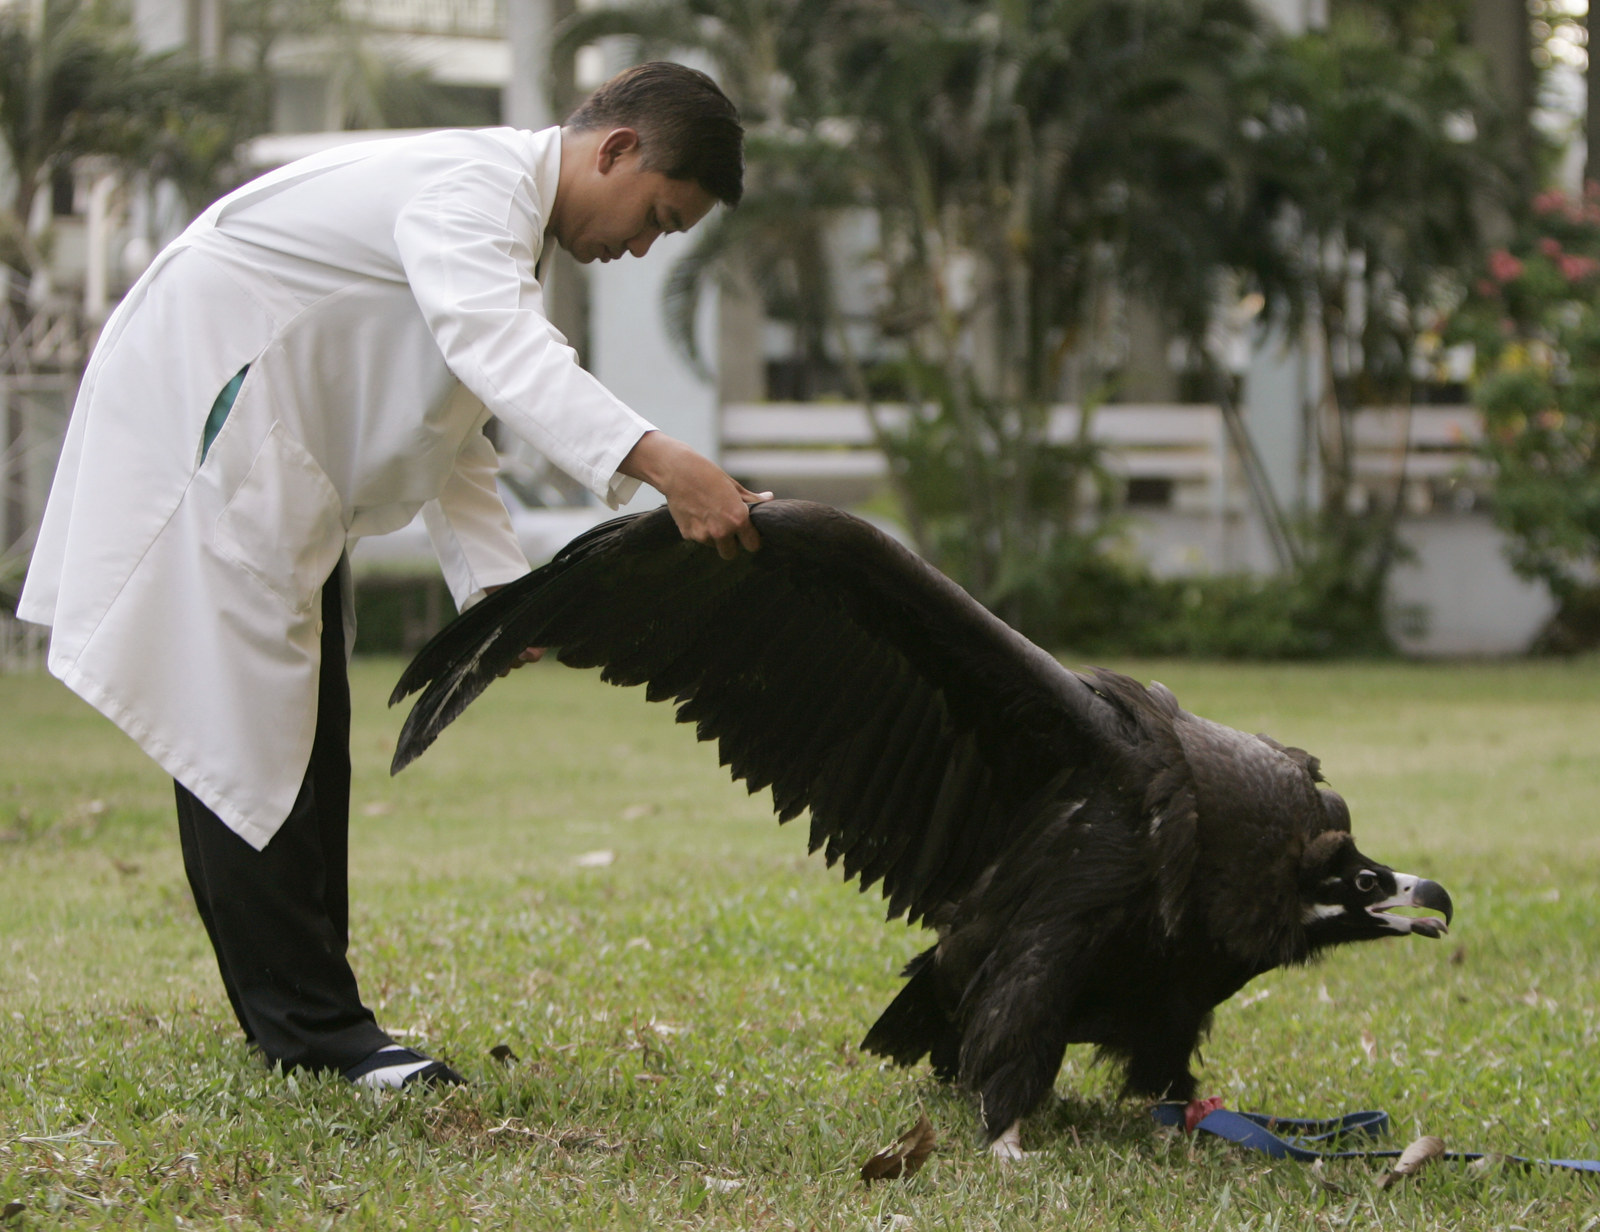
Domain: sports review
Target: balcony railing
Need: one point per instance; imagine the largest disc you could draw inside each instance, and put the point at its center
(477, 18)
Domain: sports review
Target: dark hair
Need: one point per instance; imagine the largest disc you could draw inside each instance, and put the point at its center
(688, 130)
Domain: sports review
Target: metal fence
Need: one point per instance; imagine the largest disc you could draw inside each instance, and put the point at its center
(22, 646)
(34, 407)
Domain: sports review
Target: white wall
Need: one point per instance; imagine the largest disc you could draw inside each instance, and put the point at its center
(635, 359)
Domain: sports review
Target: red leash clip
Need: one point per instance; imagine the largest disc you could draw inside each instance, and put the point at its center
(1198, 1110)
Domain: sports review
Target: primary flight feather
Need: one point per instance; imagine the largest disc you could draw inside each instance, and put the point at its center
(1100, 865)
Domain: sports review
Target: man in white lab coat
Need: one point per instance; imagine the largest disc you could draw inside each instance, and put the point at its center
(314, 360)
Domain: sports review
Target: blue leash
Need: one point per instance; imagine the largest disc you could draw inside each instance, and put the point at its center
(1286, 1137)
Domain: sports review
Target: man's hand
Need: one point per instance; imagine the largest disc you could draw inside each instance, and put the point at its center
(705, 502)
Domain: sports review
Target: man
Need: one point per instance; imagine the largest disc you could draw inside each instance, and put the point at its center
(313, 360)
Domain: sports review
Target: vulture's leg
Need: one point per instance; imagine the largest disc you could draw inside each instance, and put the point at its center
(1016, 1034)
(1158, 1063)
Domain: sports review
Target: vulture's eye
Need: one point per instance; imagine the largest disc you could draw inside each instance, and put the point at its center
(1366, 881)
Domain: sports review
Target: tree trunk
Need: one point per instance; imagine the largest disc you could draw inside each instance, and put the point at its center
(1500, 30)
(1591, 111)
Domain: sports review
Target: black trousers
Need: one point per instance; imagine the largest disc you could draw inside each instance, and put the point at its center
(279, 919)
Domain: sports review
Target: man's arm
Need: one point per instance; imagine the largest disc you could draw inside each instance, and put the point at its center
(707, 504)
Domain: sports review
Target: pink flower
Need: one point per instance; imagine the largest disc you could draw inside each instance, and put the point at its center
(1487, 288)
(1575, 268)
(1503, 267)
(1550, 246)
(1550, 202)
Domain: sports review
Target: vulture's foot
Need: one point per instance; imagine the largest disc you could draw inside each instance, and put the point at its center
(1008, 1146)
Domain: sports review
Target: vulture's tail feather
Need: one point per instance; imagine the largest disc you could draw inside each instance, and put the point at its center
(915, 1024)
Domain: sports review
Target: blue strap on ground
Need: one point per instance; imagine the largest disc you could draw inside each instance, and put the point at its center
(1287, 1137)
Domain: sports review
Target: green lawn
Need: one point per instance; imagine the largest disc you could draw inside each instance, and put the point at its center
(685, 1018)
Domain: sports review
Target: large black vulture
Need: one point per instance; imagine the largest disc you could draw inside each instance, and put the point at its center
(1101, 866)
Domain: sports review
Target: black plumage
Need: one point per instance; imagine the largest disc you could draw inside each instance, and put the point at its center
(1101, 866)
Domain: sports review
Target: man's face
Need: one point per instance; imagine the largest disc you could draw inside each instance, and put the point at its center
(613, 207)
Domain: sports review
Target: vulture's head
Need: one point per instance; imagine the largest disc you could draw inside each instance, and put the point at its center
(1345, 896)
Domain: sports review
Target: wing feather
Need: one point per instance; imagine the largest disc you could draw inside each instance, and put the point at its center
(832, 665)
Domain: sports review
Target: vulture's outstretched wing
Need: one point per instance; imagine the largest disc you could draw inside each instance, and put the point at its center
(833, 665)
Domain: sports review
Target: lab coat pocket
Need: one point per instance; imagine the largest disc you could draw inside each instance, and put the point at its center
(283, 524)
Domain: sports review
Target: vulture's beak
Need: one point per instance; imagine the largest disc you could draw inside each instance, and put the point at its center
(1414, 892)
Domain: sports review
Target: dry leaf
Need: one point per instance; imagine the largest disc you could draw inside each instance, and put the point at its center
(595, 859)
(10, 1211)
(377, 808)
(1458, 956)
(1413, 1158)
(502, 1052)
(123, 867)
(723, 1184)
(637, 812)
(1319, 1175)
(1369, 1045)
(905, 1156)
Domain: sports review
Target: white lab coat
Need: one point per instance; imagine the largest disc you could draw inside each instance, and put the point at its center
(384, 296)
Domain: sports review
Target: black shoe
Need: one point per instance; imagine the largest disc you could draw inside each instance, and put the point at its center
(392, 1067)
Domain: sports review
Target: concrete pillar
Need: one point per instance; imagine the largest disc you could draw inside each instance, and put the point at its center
(525, 100)
(161, 25)
(1296, 16)
(636, 360)
(97, 263)
(1280, 384)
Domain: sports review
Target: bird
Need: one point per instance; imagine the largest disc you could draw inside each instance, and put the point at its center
(1098, 865)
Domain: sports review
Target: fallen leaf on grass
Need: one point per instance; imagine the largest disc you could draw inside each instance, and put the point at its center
(723, 1184)
(10, 1211)
(377, 808)
(502, 1052)
(1369, 1045)
(1413, 1159)
(904, 1156)
(1321, 1178)
(595, 859)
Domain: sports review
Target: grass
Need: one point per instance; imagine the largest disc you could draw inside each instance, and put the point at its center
(684, 1019)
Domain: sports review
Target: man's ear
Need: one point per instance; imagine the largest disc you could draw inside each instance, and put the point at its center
(614, 145)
